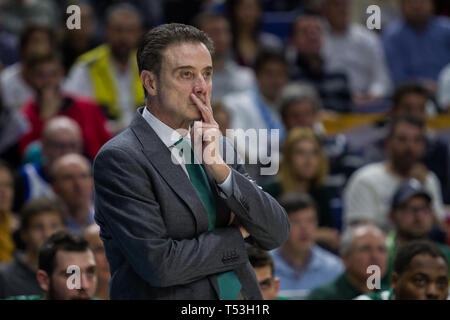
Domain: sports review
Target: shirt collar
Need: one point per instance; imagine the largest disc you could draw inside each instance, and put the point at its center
(167, 135)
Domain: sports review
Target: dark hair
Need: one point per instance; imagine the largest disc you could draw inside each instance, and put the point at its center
(38, 206)
(60, 241)
(150, 50)
(44, 57)
(407, 88)
(126, 7)
(409, 250)
(404, 119)
(260, 258)
(31, 28)
(230, 6)
(5, 166)
(295, 201)
(268, 55)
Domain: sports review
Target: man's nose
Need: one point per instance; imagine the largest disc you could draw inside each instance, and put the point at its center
(200, 86)
(432, 292)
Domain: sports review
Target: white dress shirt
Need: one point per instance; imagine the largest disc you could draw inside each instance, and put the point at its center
(170, 136)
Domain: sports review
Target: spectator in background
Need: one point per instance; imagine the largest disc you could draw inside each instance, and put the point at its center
(248, 41)
(361, 246)
(16, 14)
(75, 42)
(443, 90)
(307, 64)
(420, 273)
(228, 76)
(358, 52)
(8, 222)
(16, 81)
(264, 268)
(410, 99)
(60, 136)
(92, 235)
(59, 252)
(109, 73)
(412, 216)
(12, 126)
(72, 182)
(51, 101)
(222, 116)
(258, 108)
(300, 264)
(303, 169)
(418, 47)
(40, 218)
(369, 191)
(8, 46)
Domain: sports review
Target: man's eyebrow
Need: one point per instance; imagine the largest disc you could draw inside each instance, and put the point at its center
(209, 68)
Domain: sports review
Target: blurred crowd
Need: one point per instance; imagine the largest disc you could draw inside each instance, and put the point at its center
(363, 118)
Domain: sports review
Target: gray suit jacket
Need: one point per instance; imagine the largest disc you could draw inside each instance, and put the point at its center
(155, 227)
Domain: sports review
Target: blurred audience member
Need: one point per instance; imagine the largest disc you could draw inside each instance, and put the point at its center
(228, 76)
(222, 116)
(443, 90)
(358, 52)
(12, 127)
(420, 273)
(258, 109)
(361, 246)
(8, 222)
(413, 218)
(369, 191)
(264, 268)
(57, 257)
(16, 81)
(52, 101)
(40, 218)
(307, 64)
(417, 46)
(17, 13)
(109, 73)
(72, 182)
(75, 42)
(245, 17)
(92, 235)
(303, 169)
(60, 136)
(300, 264)
(8, 47)
(409, 99)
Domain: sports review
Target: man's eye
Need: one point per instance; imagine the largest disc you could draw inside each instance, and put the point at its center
(186, 74)
(208, 74)
(419, 282)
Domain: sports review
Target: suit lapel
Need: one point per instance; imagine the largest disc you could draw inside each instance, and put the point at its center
(160, 156)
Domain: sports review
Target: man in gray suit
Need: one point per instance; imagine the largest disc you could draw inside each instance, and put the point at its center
(174, 228)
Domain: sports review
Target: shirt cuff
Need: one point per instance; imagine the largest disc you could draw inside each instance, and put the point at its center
(226, 187)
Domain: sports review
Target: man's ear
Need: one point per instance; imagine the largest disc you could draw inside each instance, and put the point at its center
(148, 80)
(277, 285)
(43, 280)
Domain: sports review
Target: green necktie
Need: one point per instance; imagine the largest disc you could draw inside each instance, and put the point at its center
(229, 284)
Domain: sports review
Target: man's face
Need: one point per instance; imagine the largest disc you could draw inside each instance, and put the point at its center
(186, 68)
(272, 77)
(73, 183)
(269, 285)
(303, 229)
(425, 279)
(6, 190)
(46, 75)
(301, 114)
(219, 32)
(337, 13)
(58, 289)
(411, 104)
(414, 219)
(123, 33)
(417, 12)
(368, 248)
(41, 227)
(406, 146)
(307, 38)
(38, 43)
(61, 142)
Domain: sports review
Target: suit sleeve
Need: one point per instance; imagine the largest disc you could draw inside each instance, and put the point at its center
(258, 212)
(126, 207)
